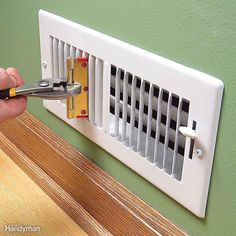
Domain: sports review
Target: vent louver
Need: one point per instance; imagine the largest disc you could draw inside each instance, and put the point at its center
(60, 51)
(147, 118)
(136, 112)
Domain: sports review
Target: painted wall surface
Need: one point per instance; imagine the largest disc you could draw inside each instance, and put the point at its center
(199, 34)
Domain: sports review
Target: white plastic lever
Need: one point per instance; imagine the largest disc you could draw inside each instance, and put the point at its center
(187, 132)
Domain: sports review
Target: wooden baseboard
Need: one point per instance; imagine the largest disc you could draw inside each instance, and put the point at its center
(24, 203)
(59, 195)
(98, 203)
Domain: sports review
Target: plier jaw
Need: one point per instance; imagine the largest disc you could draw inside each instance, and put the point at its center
(55, 89)
(52, 89)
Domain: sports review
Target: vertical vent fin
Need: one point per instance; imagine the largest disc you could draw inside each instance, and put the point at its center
(72, 51)
(61, 59)
(78, 53)
(157, 147)
(124, 114)
(149, 123)
(175, 171)
(168, 148)
(117, 102)
(106, 99)
(140, 142)
(52, 55)
(98, 91)
(91, 75)
(132, 112)
(55, 58)
(66, 55)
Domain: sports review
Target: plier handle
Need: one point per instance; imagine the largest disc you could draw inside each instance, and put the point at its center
(53, 89)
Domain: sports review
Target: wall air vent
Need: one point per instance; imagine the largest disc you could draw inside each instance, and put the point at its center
(156, 116)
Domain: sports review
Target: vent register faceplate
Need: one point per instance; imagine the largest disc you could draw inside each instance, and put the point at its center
(137, 102)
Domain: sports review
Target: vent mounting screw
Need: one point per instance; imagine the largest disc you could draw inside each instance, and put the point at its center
(198, 152)
(44, 63)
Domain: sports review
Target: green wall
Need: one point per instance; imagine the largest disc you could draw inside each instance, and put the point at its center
(200, 34)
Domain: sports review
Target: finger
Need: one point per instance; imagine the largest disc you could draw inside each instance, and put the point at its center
(12, 107)
(6, 81)
(14, 73)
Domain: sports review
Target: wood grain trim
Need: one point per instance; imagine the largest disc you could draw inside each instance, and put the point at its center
(110, 203)
(24, 203)
(60, 196)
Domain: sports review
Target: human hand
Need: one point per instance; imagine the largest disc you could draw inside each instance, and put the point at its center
(12, 107)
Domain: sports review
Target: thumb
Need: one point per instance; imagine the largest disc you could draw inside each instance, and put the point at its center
(6, 81)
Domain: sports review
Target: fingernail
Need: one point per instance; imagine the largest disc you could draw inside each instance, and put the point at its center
(14, 80)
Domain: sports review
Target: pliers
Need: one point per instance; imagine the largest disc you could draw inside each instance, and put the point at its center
(53, 89)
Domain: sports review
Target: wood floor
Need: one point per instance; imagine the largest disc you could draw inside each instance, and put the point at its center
(23, 203)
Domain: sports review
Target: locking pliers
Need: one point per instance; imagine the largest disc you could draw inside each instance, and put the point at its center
(52, 89)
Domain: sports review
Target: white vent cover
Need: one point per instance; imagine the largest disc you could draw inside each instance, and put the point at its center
(137, 102)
